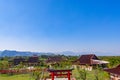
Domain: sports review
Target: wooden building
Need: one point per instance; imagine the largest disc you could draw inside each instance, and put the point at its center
(54, 60)
(89, 61)
(17, 60)
(33, 60)
(114, 73)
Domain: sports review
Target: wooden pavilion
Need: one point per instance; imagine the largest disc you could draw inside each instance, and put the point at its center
(53, 60)
(33, 60)
(89, 61)
(17, 60)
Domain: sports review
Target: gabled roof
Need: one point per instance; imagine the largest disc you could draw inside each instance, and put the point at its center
(87, 59)
(33, 59)
(115, 70)
(18, 60)
(55, 59)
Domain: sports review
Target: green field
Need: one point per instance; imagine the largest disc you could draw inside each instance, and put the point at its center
(16, 77)
(90, 76)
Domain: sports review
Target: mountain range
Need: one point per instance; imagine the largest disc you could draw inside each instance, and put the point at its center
(12, 53)
(67, 53)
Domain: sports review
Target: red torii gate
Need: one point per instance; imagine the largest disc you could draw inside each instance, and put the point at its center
(67, 72)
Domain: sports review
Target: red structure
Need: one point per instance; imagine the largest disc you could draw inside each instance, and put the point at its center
(59, 73)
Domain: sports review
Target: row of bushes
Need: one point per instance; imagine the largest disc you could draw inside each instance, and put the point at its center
(19, 71)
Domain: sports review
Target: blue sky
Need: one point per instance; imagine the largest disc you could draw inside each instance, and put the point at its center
(60, 25)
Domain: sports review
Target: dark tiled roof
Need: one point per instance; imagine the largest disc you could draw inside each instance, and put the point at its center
(17, 61)
(114, 70)
(86, 59)
(33, 59)
(55, 59)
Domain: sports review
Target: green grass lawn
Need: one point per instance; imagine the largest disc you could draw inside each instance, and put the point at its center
(90, 76)
(16, 77)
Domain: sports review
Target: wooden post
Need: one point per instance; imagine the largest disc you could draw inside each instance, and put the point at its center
(60, 73)
(52, 74)
(68, 75)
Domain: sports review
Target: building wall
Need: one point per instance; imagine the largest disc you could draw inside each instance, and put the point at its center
(86, 67)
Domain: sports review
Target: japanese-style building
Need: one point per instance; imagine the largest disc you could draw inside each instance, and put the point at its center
(17, 60)
(114, 73)
(55, 60)
(33, 60)
(89, 61)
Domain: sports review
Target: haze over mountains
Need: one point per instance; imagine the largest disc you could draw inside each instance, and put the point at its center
(12, 53)
(81, 53)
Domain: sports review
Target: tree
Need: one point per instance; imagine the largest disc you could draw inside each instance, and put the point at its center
(4, 65)
(1, 65)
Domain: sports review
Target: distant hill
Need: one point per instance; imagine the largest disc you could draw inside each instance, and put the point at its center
(0, 53)
(70, 53)
(10, 53)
